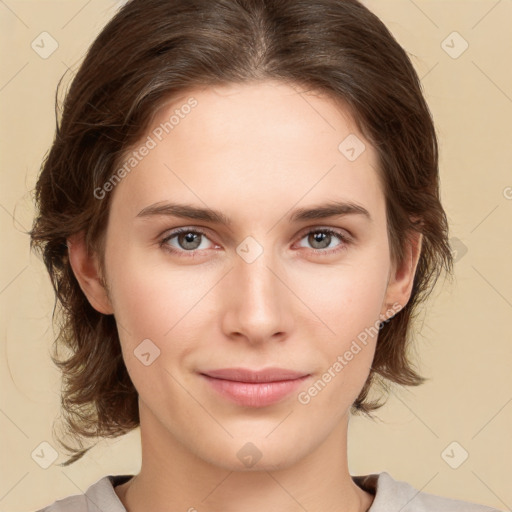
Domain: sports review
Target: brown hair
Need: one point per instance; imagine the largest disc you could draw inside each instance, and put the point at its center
(154, 49)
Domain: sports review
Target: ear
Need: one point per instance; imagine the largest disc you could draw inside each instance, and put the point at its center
(87, 272)
(401, 277)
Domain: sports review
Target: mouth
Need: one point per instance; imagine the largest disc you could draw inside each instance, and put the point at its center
(254, 388)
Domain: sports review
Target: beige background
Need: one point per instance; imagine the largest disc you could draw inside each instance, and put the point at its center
(465, 345)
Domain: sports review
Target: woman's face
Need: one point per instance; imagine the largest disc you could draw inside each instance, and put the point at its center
(254, 281)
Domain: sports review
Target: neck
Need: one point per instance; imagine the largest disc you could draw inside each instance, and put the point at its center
(172, 478)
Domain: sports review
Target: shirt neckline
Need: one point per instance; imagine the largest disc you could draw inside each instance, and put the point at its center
(367, 483)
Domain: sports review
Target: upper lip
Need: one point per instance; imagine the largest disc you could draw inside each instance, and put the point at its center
(247, 375)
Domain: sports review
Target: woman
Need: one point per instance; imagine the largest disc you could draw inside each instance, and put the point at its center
(240, 214)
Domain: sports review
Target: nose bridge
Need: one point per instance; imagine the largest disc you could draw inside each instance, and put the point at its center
(252, 268)
(259, 306)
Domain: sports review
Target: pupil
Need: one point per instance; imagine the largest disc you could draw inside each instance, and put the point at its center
(321, 237)
(190, 240)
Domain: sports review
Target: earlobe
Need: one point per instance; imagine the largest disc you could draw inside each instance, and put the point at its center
(87, 272)
(401, 279)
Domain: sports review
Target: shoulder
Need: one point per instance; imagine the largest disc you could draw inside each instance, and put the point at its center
(99, 497)
(404, 497)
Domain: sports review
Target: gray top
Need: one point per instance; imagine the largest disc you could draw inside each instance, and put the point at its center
(390, 496)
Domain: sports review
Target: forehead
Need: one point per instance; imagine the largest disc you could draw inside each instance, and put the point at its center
(271, 112)
(254, 141)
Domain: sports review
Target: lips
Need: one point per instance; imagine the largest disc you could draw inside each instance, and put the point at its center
(246, 375)
(254, 388)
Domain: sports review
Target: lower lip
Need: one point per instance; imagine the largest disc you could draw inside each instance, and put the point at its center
(254, 394)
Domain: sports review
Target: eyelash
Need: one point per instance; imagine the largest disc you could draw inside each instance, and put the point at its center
(344, 239)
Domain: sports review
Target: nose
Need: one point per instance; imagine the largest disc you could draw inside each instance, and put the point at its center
(257, 304)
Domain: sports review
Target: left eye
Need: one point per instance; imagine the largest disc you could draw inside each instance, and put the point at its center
(320, 239)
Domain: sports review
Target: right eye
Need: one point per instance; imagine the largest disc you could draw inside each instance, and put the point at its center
(184, 240)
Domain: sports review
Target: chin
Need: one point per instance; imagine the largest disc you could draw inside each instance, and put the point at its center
(253, 453)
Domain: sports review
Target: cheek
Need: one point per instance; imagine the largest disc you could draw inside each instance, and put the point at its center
(348, 302)
(152, 312)
(161, 304)
(348, 297)
(150, 299)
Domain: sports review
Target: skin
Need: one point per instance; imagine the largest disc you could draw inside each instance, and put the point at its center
(255, 152)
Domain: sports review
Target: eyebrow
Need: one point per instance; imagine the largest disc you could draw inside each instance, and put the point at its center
(186, 211)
